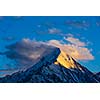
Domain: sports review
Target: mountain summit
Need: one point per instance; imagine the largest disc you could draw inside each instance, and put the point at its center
(65, 60)
(54, 66)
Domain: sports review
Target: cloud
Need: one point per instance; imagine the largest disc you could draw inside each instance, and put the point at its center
(69, 35)
(75, 41)
(26, 52)
(98, 23)
(54, 30)
(78, 24)
(77, 50)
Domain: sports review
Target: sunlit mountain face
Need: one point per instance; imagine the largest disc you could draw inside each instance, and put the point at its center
(25, 40)
(65, 60)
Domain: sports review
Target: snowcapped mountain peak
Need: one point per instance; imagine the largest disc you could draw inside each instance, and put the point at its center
(53, 66)
(65, 60)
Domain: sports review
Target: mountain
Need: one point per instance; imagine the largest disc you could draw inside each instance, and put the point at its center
(54, 66)
(97, 75)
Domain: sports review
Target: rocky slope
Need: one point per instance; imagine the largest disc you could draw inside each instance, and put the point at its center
(53, 67)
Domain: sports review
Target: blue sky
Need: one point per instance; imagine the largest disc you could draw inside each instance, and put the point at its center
(84, 31)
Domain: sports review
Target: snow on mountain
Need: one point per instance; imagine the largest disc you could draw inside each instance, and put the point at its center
(54, 66)
(66, 61)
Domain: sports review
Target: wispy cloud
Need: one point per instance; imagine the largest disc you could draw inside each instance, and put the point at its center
(69, 35)
(54, 30)
(75, 41)
(98, 23)
(78, 24)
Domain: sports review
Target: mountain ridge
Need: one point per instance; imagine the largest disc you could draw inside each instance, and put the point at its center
(54, 67)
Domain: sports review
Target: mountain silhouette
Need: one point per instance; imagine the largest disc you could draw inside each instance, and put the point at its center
(54, 66)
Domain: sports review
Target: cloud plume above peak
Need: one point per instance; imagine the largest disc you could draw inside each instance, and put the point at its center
(26, 52)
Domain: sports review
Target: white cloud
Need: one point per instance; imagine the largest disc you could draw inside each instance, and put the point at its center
(54, 30)
(75, 48)
(69, 35)
(75, 41)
